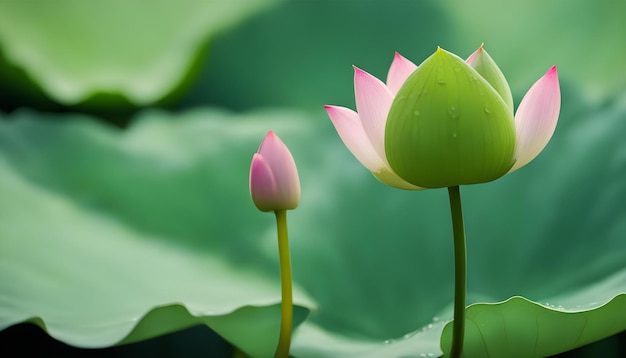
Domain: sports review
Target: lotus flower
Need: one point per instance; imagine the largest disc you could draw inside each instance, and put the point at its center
(274, 182)
(447, 122)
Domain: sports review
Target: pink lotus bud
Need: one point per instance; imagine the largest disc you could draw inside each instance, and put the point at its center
(274, 182)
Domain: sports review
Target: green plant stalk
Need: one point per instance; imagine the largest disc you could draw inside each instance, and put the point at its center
(286, 320)
(460, 272)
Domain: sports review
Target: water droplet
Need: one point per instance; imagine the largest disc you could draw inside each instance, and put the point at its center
(474, 78)
(431, 354)
(457, 69)
(430, 325)
(401, 98)
(454, 113)
(389, 341)
(453, 136)
(487, 110)
(435, 319)
(409, 335)
(423, 355)
(441, 82)
(416, 113)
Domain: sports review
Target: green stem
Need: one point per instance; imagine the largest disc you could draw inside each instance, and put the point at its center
(284, 340)
(458, 325)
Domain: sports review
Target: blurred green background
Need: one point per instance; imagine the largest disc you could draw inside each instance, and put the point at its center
(116, 61)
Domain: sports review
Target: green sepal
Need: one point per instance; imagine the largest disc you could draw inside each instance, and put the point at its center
(448, 126)
(489, 70)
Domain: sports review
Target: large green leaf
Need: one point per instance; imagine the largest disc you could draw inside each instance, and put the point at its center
(88, 249)
(139, 50)
(378, 261)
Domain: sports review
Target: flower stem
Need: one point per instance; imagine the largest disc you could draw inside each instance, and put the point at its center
(284, 340)
(458, 325)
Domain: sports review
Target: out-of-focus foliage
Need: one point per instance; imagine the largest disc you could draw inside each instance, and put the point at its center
(175, 225)
(310, 63)
(584, 38)
(149, 211)
(97, 262)
(138, 50)
(301, 53)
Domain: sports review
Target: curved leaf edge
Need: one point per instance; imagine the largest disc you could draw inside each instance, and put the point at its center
(36, 80)
(178, 317)
(582, 326)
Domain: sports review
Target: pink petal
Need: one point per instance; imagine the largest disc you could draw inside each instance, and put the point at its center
(536, 118)
(373, 101)
(263, 188)
(348, 126)
(400, 70)
(351, 132)
(280, 161)
(474, 56)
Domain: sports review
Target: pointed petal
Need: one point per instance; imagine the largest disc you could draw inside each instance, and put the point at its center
(351, 132)
(536, 118)
(389, 177)
(400, 70)
(474, 57)
(373, 101)
(279, 159)
(489, 70)
(262, 183)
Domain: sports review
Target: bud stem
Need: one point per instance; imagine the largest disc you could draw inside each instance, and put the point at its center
(458, 328)
(284, 340)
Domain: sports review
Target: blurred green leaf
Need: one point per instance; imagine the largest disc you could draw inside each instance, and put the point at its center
(140, 50)
(93, 275)
(299, 54)
(584, 39)
(80, 200)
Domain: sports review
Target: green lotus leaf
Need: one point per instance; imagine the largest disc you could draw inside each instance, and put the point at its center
(140, 50)
(520, 328)
(96, 276)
